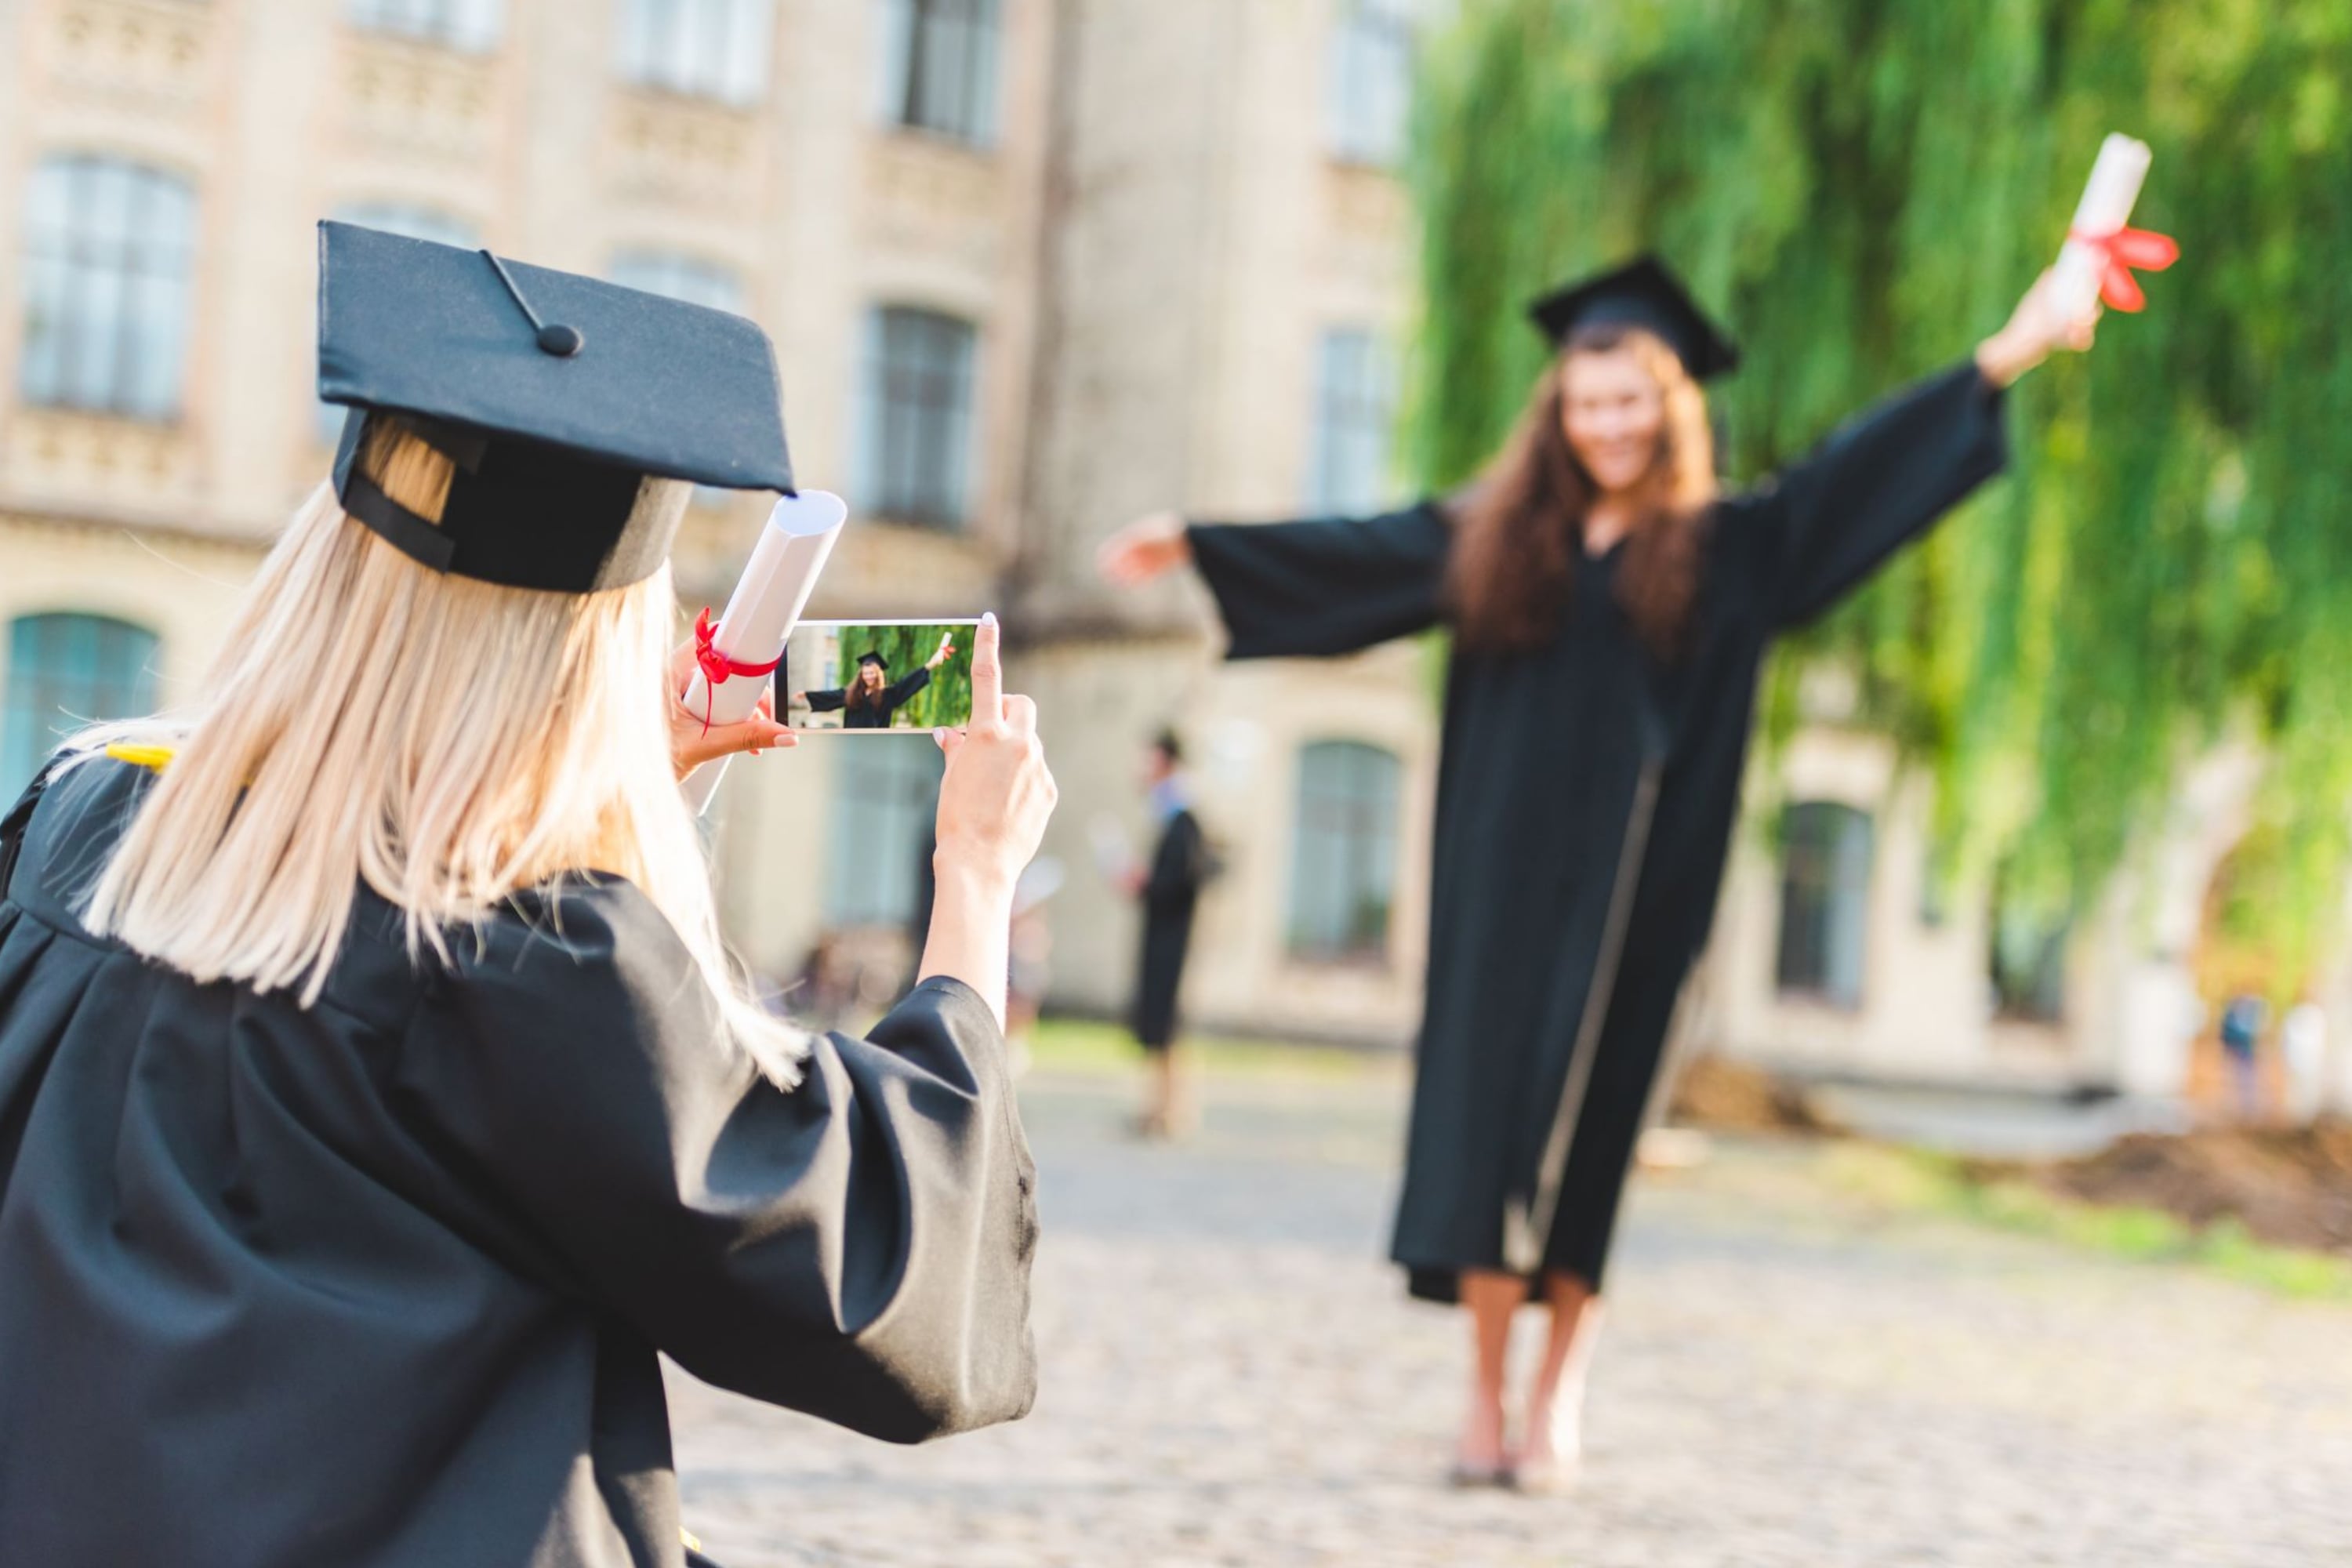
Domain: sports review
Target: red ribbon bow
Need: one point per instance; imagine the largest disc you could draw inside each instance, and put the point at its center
(717, 667)
(2120, 252)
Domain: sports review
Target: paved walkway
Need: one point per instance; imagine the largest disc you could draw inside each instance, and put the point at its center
(1792, 1376)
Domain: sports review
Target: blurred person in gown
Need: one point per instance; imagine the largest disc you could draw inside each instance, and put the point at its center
(1168, 888)
(1609, 612)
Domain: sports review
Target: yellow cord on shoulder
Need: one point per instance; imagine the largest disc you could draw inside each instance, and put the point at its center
(154, 759)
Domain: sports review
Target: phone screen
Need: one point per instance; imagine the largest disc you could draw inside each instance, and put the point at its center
(878, 678)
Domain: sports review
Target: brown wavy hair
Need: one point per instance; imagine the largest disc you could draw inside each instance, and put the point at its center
(1519, 530)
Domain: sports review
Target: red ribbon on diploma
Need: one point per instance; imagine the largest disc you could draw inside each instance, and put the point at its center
(2123, 250)
(717, 667)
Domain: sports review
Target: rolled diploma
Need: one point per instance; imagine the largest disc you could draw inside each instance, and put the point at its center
(761, 614)
(2106, 207)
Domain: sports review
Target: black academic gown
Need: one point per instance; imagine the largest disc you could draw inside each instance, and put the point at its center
(380, 1282)
(1171, 892)
(875, 715)
(1586, 798)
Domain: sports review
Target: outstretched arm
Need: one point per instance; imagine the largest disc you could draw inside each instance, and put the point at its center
(1828, 522)
(1315, 587)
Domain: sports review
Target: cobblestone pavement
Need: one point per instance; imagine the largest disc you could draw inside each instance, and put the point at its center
(1791, 1375)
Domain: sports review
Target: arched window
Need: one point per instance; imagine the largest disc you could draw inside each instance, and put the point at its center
(1371, 78)
(938, 67)
(410, 222)
(1344, 852)
(108, 247)
(1824, 901)
(884, 796)
(915, 417)
(701, 48)
(1355, 409)
(470, 25)
(65, 671)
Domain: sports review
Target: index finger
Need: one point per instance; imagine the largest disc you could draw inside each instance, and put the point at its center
(987, 674)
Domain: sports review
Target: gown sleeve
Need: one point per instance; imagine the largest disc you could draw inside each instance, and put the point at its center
(826, 701)
(1325, 585)
(856, 1247)
(904, 690)
(1826, 522)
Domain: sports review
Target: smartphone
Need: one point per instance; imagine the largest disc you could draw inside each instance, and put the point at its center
(877, 678)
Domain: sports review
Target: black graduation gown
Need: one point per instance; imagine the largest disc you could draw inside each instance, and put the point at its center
(379, 1283)
(1170, 894)
(877, 714)
(1586, 798)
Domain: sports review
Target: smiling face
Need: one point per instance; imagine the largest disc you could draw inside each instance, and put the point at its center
(869, 677)
(1613, 412)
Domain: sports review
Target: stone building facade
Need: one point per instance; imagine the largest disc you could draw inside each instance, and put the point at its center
(1032, 267)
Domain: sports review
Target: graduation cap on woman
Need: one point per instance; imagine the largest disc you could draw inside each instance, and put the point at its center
(1643, 293)
(556, 397)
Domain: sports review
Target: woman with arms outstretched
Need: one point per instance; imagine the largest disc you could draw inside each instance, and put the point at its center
(1609, 614)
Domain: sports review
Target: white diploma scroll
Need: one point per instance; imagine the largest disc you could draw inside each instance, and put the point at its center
(2106, 207)
(761, 614)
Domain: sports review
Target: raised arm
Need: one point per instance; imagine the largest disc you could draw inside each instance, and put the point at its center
(1320, 586)
(851, 1237)
(905, 686)
(1826, 522)
(856, 1245)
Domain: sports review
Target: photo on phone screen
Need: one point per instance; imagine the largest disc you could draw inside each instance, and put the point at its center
(874, 677)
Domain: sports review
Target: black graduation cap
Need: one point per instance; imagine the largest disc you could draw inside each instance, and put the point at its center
(556, 395)
(875, 659)
(1643, 293)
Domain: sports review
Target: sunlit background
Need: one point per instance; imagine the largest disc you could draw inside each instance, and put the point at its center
(2032, 813)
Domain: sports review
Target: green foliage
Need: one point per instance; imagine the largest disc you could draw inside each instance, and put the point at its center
(1863, 188)
(947, 700)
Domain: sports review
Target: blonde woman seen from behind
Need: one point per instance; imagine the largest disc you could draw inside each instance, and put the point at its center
(376, 1099)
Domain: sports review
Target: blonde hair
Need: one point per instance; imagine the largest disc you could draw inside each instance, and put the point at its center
(447, 741)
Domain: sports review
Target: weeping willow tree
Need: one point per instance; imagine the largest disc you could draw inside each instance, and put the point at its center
(1863, 188)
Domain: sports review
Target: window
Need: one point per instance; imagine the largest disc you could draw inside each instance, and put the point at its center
(914, 456)
(703, 48)
(108, 249)
(938, 67)
(1370, 74)
(1824, 901)
(1343, 866)
(412, 223)
(2026, 959)
(65, 671)
(884, 796)
(470, 25)
(1355, 407)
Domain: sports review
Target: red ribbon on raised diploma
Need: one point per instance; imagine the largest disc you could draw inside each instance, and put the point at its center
(2123, 250)
(717, 667)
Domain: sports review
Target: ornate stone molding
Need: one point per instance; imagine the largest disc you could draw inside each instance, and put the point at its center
(673, 150)
(933, 197)
(153, 55)
(421, 100)
(93, 464)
